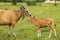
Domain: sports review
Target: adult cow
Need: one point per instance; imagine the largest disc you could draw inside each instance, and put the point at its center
(10, 17)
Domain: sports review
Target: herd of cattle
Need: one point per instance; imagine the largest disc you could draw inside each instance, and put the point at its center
(11, 17)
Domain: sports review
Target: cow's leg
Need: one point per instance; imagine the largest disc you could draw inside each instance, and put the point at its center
(9, 30)
(13, 29)
(38, 32)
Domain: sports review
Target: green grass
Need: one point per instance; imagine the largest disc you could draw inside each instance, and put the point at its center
(26, 30)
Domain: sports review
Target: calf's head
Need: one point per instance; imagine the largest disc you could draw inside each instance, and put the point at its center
(32, 18)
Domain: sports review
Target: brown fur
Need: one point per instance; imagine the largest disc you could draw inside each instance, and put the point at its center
(10, 17)
(42, 22)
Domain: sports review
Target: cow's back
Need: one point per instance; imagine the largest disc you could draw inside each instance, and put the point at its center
(6, 16)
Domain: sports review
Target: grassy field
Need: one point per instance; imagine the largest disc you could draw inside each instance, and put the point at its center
(25, 30)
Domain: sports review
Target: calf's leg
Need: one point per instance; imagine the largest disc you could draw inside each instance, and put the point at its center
(50, 34)
(51, 30)
(53, 25)
(54, 32)
(38, 32)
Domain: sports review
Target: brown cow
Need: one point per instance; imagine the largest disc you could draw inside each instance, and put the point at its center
(10, 17)
(43, 22)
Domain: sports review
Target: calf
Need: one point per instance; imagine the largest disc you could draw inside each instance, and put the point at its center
(43, 22)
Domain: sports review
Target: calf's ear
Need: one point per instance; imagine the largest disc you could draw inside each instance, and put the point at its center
(33, 16)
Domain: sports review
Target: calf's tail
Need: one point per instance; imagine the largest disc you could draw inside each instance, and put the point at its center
(53, 23)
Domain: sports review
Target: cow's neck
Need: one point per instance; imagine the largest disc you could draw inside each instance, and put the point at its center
(19, 14)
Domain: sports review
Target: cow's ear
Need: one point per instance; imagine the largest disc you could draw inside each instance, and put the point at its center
(22, 7)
